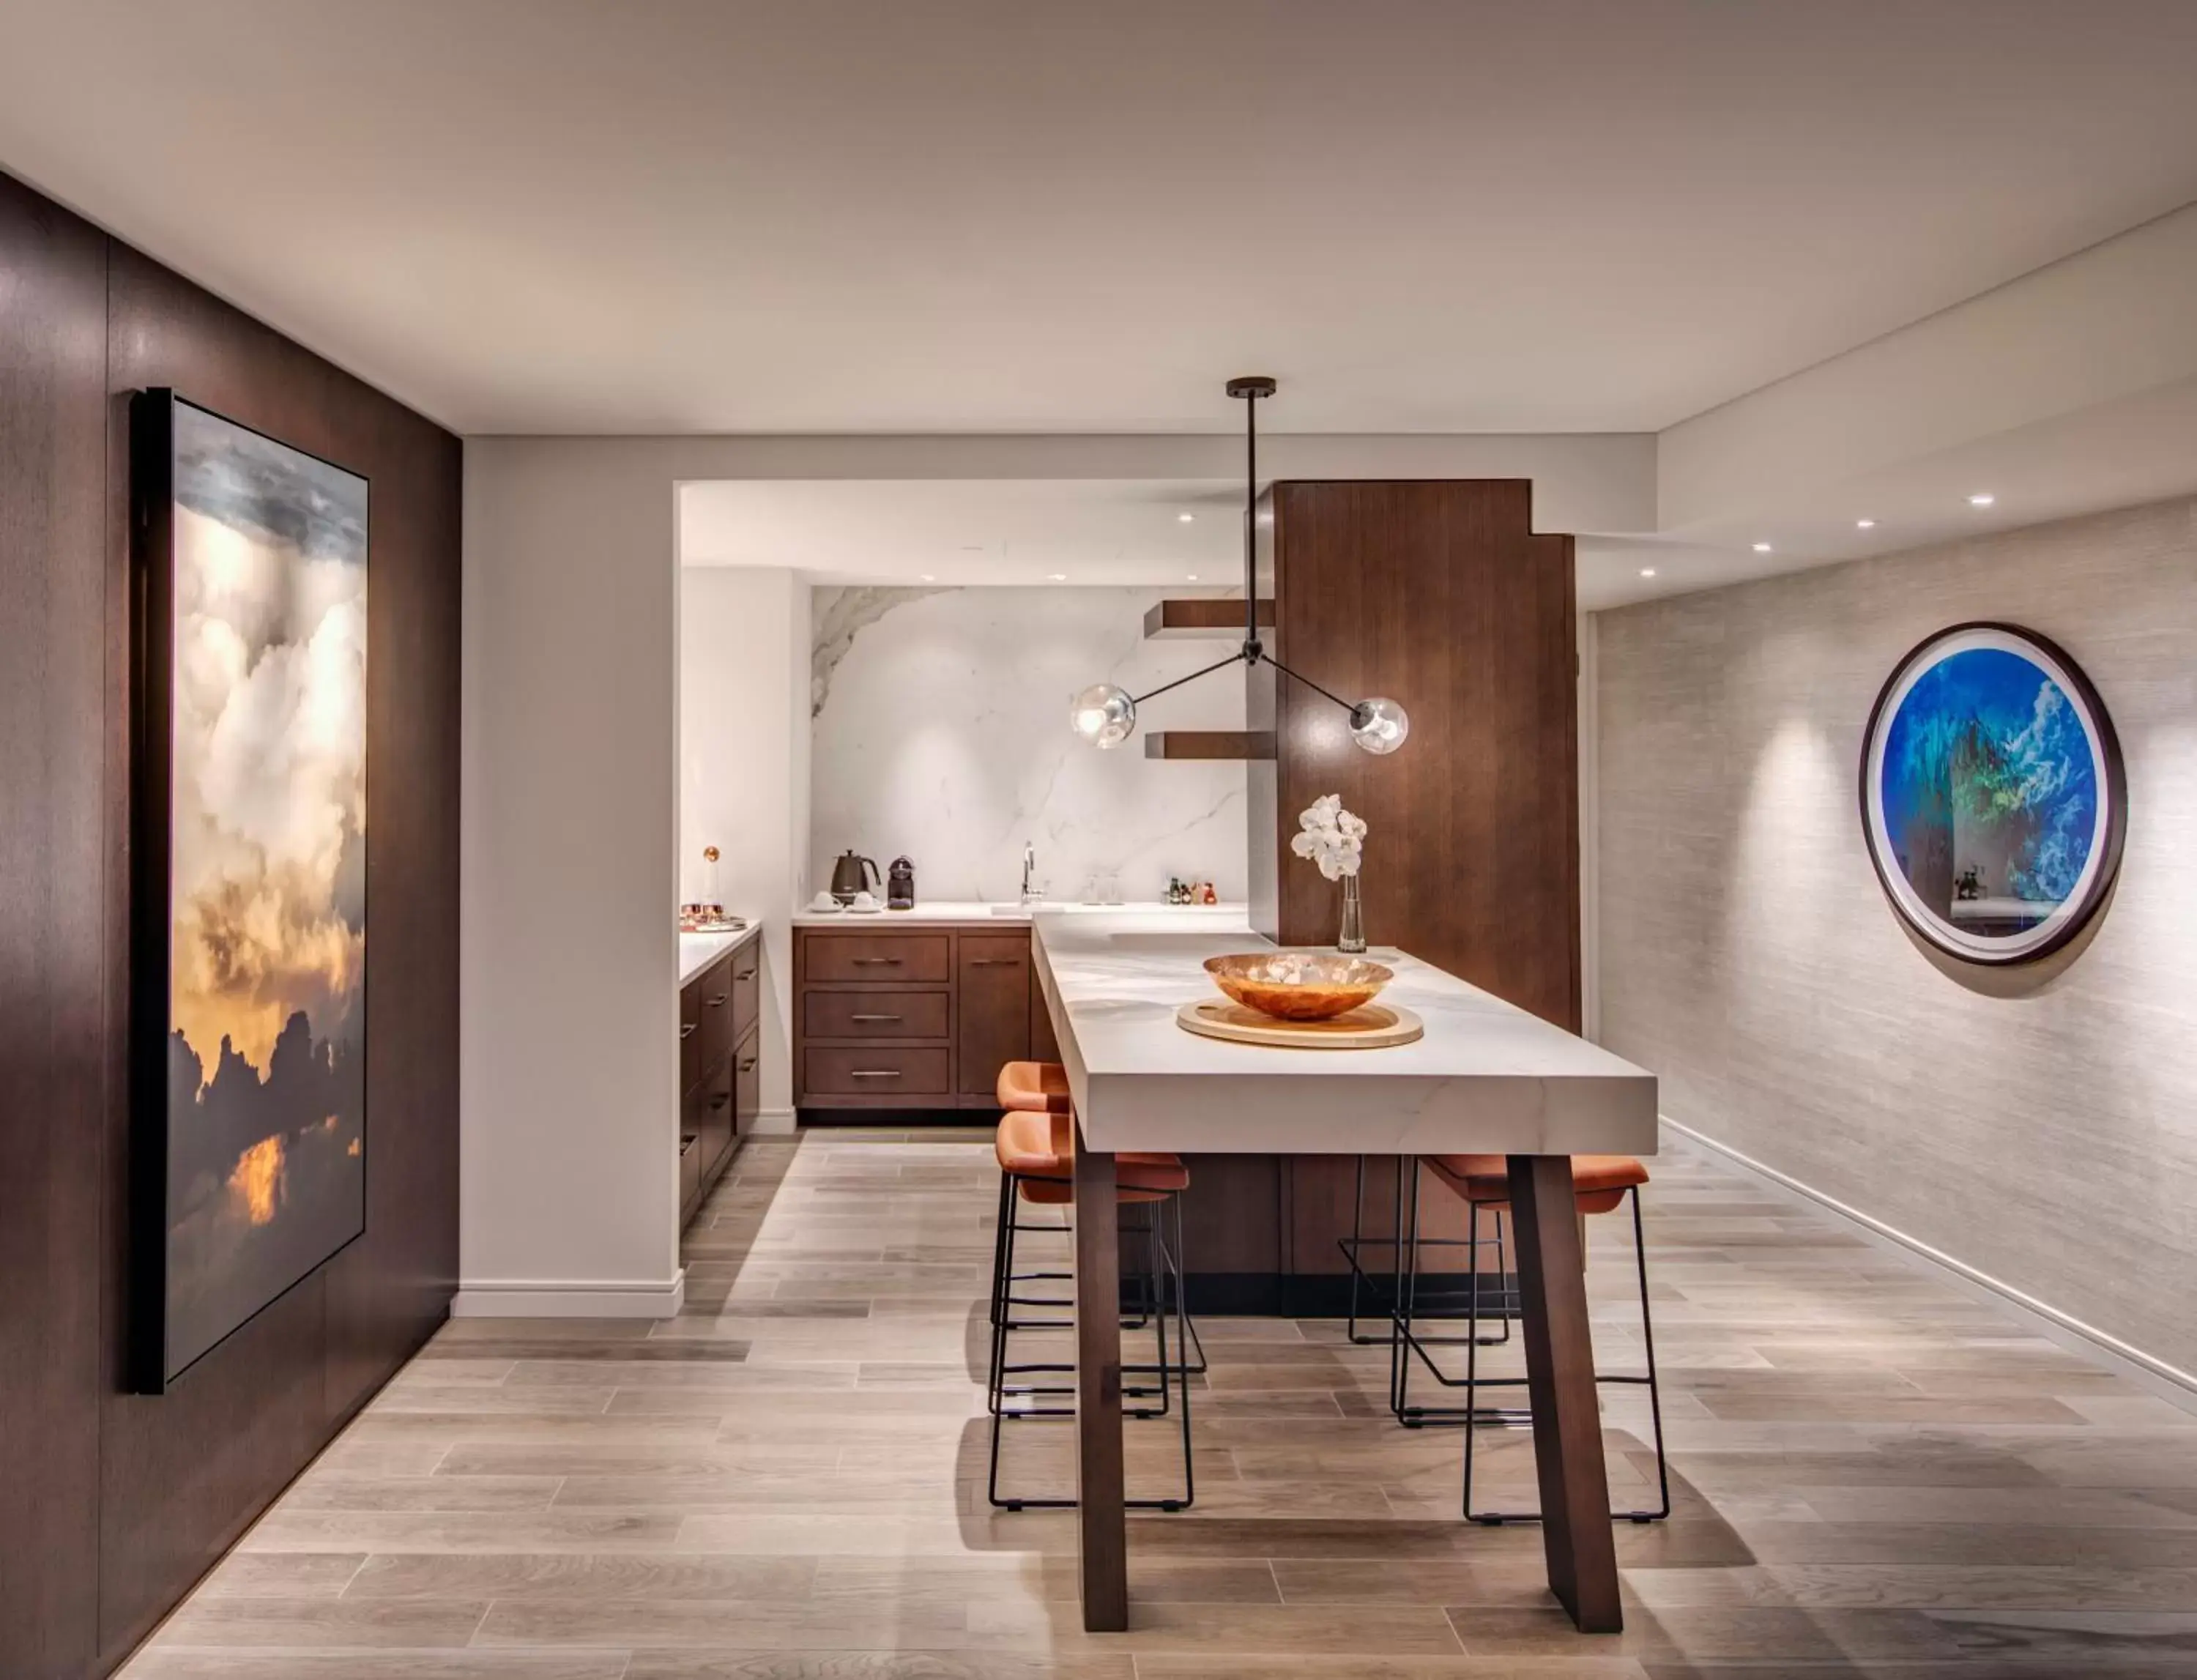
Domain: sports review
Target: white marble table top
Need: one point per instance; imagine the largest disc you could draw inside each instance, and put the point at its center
(697, 951)
(1487, 1077)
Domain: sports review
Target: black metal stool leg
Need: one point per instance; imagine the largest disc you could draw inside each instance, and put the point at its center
(1650, 1382)
(1153, 1297)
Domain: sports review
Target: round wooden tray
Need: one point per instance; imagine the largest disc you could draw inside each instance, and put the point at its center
(1375, 1026)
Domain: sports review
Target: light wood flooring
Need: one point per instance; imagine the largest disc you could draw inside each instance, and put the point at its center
(1875, 1475)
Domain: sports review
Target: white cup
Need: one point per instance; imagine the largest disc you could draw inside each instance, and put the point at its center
(864, 900)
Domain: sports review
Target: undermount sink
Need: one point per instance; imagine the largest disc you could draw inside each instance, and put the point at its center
(1012, 909)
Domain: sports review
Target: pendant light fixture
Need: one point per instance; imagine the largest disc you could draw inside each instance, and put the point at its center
(1106, 715)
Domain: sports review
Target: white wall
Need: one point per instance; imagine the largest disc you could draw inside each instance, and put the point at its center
(568, 972)
(569, 849)
(2046, 1139)
(942, 733)
(743, 671)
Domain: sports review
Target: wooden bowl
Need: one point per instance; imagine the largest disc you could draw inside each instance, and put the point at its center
(1299, 985)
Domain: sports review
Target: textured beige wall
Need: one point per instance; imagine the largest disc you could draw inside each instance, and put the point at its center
(1749, 956)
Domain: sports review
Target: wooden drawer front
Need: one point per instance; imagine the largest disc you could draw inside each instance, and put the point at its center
(995, 997)
(714, 1039)
(690, 1176)
(875, 1072)
(745, 968)
(883, 957)
(709, 1115)
(874, 1014)
(747, 1084)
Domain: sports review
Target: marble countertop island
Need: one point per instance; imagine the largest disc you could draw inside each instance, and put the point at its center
(1485, 1078)
(697, 951)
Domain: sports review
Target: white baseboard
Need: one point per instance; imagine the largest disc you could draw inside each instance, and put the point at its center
(529, 1298)
(2170, 1382)
(774, 1123)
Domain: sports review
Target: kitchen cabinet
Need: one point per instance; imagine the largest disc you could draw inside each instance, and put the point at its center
(719, 1049)
(912, 1017)
(991, 978)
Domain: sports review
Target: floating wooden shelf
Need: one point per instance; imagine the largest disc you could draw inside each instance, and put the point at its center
(1202, 621)
(1240, 744)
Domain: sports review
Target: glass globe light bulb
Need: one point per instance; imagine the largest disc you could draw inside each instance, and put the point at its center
(1104, 714)
(1379, 726)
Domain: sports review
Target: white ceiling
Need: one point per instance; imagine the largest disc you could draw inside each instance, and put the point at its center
(878, 215)
(1081, 532)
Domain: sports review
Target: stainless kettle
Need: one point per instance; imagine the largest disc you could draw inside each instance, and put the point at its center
(847, 876)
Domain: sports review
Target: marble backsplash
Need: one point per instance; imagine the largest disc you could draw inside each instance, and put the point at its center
(940, 730)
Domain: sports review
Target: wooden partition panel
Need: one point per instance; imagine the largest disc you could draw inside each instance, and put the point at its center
(115, 1504)
(53, 454)
(1439, 594)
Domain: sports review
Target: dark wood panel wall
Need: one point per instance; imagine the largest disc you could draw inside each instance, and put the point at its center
(115, 1504)
(1439, 594)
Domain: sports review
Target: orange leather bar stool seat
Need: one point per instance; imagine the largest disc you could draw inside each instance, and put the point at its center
(1599, 1181)
(1037, 1087)
(1036, 1148)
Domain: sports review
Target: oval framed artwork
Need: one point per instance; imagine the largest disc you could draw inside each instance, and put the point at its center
(1992, 795)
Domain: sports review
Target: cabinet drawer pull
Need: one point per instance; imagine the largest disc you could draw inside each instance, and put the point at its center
(748, 1064)
(875, 1073)
(688, 1030)
(876, 1018)
(995, 962)
(721, 1000)
(743, 974)
(877, 962)
(720, 1102)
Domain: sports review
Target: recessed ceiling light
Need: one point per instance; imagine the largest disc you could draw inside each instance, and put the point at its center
(928, 578)
(1647, 571)
(1761, 547)
(1864, 525)
(1058, 576)
(1190, 577)
(1982, 499)
(1186, 518)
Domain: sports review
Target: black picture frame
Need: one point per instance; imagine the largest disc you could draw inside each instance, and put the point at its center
(147, 1366)
(2111, 772)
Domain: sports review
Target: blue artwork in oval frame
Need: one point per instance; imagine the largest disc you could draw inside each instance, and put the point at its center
(1992, 795)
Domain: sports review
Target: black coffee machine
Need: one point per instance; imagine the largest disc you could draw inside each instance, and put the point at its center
(900, 885)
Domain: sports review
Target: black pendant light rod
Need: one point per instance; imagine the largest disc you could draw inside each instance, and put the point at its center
(1207, 670)
(1350, 706)
(1106, 715)
(1251, 390)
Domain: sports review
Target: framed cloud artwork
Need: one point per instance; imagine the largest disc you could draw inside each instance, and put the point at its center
(1993, 800)
(248, 1029)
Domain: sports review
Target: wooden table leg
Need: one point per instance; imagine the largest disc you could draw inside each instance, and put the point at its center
(1102, 1528)
(1575, 1526)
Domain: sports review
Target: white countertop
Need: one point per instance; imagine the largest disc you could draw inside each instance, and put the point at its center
(1013, 915)
(697, 951)
(1487, 1077)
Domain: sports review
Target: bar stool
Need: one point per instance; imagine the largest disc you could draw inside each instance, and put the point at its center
(1035, 1154)
(1601, 1184)
(1358, 1241)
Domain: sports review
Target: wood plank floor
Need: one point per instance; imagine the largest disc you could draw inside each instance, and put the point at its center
(1873, 1475)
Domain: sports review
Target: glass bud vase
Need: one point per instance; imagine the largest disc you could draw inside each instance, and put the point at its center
(1352, 939)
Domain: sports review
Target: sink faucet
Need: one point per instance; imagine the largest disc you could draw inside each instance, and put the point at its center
(1029, 864)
